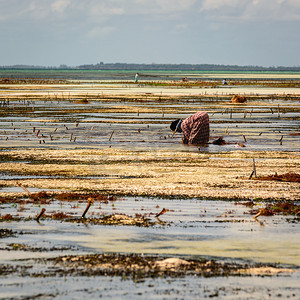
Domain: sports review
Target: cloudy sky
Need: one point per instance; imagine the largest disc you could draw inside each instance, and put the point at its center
(76, 32)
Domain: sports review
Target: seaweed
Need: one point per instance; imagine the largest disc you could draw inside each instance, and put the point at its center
(288, 177)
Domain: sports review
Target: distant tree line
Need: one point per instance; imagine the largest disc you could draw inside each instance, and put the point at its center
(183, 67)
(158, 67)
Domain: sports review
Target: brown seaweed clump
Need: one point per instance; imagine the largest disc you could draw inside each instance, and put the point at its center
(138, 267)
(285, 208)
(7, 217)
(289, 177)
(247, 204)
(278, 208)
(219, 141)
(32, 81)
(116, 219)
(60, 216)
(82, 101)
(6, 199)
(238, 99)
(40, 196)
(4, 233)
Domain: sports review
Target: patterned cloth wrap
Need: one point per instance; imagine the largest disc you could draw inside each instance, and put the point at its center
(196, 128)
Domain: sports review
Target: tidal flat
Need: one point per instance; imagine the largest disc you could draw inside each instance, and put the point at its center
(162, 220)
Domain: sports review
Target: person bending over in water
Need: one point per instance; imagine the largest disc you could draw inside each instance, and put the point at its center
(195, 128)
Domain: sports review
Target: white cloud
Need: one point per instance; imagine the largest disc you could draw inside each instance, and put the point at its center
(159, 6)
(101, 10)
(218, 4)
(173, 5)
(291, 9)
(60, 5)
(93, 7)
(100, 32)
(252, 9)
(13, 9)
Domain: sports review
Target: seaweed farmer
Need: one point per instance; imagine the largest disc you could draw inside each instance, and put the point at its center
(195, 128)
(136, 77)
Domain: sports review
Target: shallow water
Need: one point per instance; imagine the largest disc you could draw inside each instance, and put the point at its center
(145, 125)
(182, 288)
(193, 227)
(147, 74)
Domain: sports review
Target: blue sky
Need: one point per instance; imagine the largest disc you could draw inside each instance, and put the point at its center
(76, 32)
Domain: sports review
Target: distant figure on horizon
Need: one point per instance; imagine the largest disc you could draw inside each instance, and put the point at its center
(224, 81)
(136, 77)
(195, 128)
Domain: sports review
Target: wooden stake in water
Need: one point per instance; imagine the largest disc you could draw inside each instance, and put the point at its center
(111, 135)
(174, 132)
(40, 214)
(226, 130)
(90, 201)
(24, 188)
(164, 210)
(254, 168)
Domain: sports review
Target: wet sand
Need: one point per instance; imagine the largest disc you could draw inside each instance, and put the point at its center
(115, 138)
(154, 173)
(110, 88)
